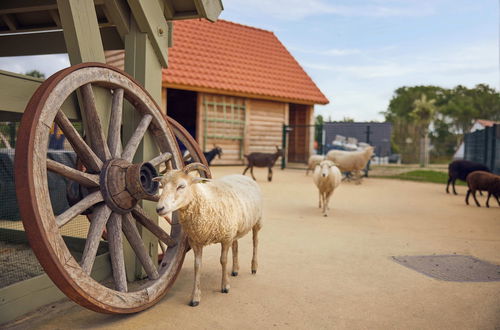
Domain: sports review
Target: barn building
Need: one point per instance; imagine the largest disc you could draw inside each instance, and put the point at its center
(235, 86)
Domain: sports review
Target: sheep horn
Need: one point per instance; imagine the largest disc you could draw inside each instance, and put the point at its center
(196, 166)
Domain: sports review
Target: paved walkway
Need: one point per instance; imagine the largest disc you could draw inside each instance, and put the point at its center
(334, 272)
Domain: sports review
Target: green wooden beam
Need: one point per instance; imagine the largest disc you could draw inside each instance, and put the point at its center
(17, 90)
(118, 13)
(81, 31)
(142, 62)
(50, 42)
(149, 18)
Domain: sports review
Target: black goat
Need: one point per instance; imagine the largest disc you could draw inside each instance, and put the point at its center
(261, 159)
(459, 169)
(209, 155)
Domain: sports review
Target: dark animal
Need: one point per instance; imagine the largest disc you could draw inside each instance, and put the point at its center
(481, 180)
(261, 159)
(459, 169)
(209, 155)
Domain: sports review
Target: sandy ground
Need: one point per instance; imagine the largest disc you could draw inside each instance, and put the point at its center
(334, 272)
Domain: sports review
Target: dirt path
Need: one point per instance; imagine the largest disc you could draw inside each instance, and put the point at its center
(335, 272)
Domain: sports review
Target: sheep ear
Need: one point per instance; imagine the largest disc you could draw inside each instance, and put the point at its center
(157, 179)
(200, 180)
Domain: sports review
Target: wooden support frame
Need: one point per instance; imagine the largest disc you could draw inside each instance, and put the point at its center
(149, 18)
(143, 64)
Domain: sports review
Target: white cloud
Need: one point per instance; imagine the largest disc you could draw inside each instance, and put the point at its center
(47, 64)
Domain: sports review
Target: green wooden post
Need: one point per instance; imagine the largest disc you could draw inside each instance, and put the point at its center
(141, 61)
(84, 44)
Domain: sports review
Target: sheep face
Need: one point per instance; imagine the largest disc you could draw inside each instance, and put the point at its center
(176, 192)
(325, 166)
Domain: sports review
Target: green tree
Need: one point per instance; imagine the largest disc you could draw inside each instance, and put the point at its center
(423, 113)
(35, 74)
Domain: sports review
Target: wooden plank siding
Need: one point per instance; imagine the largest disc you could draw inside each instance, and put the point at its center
(222, 122)
(239, 126)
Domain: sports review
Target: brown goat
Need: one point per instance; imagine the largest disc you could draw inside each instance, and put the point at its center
(261, 159)
(481, 180)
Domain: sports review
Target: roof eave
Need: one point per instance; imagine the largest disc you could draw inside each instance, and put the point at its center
(243, 94)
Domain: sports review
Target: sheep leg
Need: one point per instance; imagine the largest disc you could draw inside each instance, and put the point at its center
(246, 169)
(480, 192)
(223, 262)
(453, 186)
(251, 172)
(325, 204)
(475, 199)
(358, 177)
(467, 196)
(236, 265)
(488, 200)
(255, 231)
(196, 296)
(320, 199)
(270, 175)
(498, 200)
(448, 185)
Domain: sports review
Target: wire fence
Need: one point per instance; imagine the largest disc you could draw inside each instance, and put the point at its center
(483, 146)
(17, 261)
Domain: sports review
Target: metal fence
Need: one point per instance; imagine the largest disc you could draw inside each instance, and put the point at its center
(17, 261)
(483, 146)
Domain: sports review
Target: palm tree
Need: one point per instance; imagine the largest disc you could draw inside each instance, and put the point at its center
(423, 113)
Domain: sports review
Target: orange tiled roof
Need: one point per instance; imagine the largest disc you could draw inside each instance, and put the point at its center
(487, 123)
(238, 60)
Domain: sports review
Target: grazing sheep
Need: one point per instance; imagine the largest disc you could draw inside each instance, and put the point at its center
(482, 180)
(351, 161)
(327, 178)
(213, 211)
(459, 169)
(261, 159)
(313, 161)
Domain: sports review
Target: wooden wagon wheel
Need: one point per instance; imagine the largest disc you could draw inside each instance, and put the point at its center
(115, 186)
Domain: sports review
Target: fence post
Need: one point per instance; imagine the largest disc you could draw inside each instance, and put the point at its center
(495, 132)
(283, 147)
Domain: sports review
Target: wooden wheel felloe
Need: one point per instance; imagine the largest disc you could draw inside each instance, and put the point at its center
(114, 187)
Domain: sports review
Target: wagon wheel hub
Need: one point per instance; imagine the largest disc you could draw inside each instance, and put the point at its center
(123, 184)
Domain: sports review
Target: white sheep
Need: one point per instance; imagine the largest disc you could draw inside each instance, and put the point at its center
(213, 211)
(351, 161)
(327, 178)
(313, 161)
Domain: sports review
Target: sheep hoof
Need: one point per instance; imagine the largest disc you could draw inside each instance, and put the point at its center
(193, 303)
(325, 215)
(234, 274)
(254, 272)
(225, 290)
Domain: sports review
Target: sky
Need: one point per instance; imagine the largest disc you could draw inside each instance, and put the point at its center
(358, 52)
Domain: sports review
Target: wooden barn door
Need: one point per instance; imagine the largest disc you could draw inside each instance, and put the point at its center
(224, 125)
(299, 134)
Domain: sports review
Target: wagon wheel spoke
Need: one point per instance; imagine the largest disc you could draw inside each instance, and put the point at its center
(135, 240)
(115, 122)
(98, 220)
(84, 152)
(141, 216)
(164, 157)
(78, 208)
(94, 129)
(133, 143)
(85, 179)
(114, 228)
